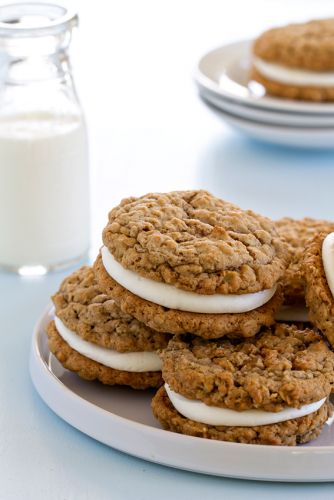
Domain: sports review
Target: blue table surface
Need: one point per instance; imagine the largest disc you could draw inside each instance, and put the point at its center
(148, 132)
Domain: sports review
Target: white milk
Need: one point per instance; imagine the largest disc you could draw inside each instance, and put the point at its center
(44, 190)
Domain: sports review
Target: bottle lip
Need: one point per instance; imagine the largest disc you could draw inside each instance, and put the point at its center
(35, 19)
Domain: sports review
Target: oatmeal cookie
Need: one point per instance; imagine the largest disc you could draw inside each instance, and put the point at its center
(318, 295)
(295, 61)
(96, 318)
(288, 433)
(297, 233)
(94, 338)
(282, 367)
(205, 325)
(91, 370)
(308, 46)
(196, 242)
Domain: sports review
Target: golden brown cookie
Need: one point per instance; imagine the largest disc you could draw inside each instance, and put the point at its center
(90, 329)
(196, 242)
(308, 47)
(89, 369)
(174, 321)
(297, 233)
(288, 433)
(318, 295)
(281, 367)
(95, 317)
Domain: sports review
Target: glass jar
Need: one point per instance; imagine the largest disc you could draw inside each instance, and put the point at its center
(44, 179)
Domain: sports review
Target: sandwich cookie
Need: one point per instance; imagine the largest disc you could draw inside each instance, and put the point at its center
(297, 233)
(296, 61)
(189, 262)
(91, 336)
(272, 389)
(319, 276)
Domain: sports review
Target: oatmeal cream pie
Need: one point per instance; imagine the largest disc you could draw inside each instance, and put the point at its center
(318, 267)
(296, 61)
(297, 234)
(189, 262)
(271, 389)
(91, 336)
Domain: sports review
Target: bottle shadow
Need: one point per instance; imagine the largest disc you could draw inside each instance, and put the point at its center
(269, 179)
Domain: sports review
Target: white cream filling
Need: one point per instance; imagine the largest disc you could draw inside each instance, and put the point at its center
(174, 298)
(212, 415)
(292, 313)
(127, 361)
(328, 260)
(293, 76)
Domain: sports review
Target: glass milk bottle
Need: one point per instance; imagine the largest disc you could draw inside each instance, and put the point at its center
(44, 181)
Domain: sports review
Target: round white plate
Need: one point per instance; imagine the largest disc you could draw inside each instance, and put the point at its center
(264, 115)
(121, 418)
(301, 137)
(225, 71)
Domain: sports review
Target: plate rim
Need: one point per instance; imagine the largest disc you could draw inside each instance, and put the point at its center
(268, 102)
(264, 115)
(308, 139)
(38, 368)
(274, 128)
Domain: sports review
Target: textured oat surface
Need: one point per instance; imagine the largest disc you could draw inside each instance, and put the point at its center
(297, 233)
(204, 325)
(95, 317)
(281, 367)
(91, 370)
(318, 295)
(289, 433)
(307, 46)
(317, 94)
(197, 242)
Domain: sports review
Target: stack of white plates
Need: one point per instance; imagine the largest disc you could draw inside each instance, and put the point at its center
(222, 77)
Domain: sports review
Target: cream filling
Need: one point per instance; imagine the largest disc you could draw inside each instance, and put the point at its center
(127, 361)
(292, 313)
(212, 415)
(174, 298)
(328, 260)
(293, 76)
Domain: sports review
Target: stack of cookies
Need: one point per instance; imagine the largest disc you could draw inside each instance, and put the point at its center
(199, 281)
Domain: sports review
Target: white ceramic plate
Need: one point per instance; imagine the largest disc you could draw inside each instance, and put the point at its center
(225, 71)
(264, 115)
(301, 137)
(121, 418)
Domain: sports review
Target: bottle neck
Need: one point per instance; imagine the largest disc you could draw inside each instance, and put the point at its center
(34, 40)
(35, 73)
(37, 84)
(35, 69)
